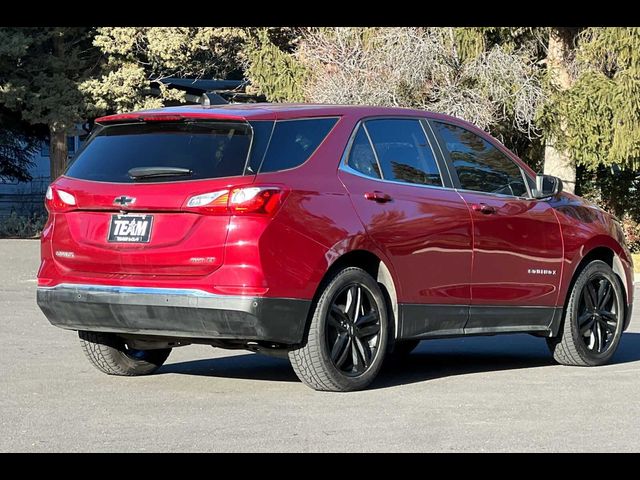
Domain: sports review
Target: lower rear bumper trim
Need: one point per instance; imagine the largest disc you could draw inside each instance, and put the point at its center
(173, 313)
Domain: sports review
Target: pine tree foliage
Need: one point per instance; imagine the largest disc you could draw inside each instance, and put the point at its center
(132, 57)
(271, 66)
(40, 70)
(16, 153)
(598, 119)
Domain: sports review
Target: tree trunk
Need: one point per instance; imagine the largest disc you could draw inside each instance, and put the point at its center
(57, 151)
(557, 162)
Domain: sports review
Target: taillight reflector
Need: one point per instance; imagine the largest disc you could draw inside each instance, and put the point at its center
(59, 200)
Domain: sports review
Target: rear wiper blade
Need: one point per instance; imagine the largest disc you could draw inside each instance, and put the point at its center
(139, 173)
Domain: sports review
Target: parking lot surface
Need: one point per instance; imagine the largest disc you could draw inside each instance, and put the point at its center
(499, 393)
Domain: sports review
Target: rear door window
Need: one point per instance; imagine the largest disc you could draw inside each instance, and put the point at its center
(403, 151)
(207, 149)
(294, 141)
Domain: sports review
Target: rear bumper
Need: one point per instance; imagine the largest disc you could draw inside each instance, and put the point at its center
(173, 313)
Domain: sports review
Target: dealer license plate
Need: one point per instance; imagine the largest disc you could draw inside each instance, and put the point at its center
(130, 228)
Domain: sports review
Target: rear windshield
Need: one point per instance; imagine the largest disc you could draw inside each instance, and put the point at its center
(207, 149)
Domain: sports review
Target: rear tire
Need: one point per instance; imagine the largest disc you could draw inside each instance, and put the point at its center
(109, 354)
(593, 320)
(347, 337)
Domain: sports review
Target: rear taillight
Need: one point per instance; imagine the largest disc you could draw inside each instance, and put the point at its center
(259, 200)
(212, 203)
(59, 200)
(239, 201)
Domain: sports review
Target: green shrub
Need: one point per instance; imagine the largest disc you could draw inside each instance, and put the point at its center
(22, 226)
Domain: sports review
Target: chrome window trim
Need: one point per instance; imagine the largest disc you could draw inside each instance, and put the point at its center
(501, 195)
(347, 169)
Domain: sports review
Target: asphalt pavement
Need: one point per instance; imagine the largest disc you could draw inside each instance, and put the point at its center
(499, 393)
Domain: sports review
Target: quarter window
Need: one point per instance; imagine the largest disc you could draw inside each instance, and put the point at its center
(294, 141)
(361, 156)
(403, 151)
(481, 166)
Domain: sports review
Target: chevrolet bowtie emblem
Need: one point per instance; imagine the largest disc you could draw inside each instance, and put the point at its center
(124, 200)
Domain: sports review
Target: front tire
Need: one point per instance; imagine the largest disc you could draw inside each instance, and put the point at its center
(593, 320)
(347, 337)
(109, 354)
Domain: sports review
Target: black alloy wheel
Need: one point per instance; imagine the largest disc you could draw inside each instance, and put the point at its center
(593, 318)
(347, 338)
(353, 329)
(598, 316)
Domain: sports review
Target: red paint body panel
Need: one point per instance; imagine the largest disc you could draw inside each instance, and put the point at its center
(426, 234)
(586, 227)
(437, 249)
(520, 237)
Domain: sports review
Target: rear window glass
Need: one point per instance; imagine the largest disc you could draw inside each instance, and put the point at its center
(208, 149)
(403, 151)
(293, 142)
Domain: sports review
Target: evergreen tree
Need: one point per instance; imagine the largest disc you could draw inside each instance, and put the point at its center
(132, 57)
(597, 120)
(40, 73)
(18, 143)
(59, 76)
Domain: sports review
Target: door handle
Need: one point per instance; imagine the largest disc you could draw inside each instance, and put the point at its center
(483, 208)
(379, 197)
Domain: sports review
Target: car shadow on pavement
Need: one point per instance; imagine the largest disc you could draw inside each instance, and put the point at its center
(250, 366)
(432, 359)
(464, 356)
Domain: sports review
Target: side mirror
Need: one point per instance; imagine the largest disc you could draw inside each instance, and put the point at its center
(547, 186)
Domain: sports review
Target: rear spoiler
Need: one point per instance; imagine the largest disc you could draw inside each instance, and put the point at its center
(165, 117)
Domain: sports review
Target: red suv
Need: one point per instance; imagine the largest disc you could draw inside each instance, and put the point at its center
(331, 234)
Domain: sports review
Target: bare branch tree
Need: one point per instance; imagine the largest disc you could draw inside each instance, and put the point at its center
(420, 68)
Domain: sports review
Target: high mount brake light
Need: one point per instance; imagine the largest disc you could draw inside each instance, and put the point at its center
(239, 201)
(59, 200)
(135, 117)
(162, 118)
